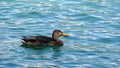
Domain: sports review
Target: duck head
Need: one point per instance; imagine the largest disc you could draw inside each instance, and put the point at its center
(57, 33)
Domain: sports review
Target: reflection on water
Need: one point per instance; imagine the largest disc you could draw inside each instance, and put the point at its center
(54, 51)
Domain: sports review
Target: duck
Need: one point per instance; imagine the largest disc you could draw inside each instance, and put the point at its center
(45, 40)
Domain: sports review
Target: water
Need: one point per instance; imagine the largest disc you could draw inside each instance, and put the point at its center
(93, 26)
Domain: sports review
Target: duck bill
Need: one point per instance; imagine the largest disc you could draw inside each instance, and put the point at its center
(64, 34)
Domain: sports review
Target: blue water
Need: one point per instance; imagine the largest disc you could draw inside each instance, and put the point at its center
(93, 26)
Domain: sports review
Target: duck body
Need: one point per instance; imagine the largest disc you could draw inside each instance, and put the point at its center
(44, 40)
(41, 41)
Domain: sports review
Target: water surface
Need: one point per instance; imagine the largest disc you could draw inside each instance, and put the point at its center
(93, 26)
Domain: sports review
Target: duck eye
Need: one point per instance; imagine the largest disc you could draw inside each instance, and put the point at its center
(60, 33)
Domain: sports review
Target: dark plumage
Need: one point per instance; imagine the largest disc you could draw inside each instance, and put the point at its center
(45, 40)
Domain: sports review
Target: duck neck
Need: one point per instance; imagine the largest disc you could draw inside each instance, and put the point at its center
(56, 38)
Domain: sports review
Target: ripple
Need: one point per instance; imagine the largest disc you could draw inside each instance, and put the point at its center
(93, 26)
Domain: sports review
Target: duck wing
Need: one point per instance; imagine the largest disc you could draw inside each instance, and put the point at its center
(44, 38)
(28, 38)
(36, 38)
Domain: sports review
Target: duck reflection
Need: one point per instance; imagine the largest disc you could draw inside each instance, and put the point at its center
(51, 52)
